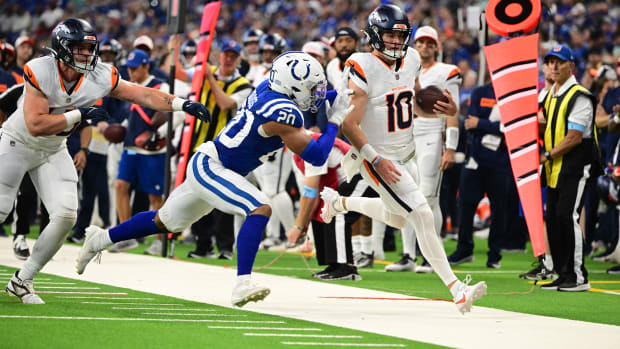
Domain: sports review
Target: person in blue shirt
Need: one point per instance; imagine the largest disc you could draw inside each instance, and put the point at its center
(486, 171)
(270, 118)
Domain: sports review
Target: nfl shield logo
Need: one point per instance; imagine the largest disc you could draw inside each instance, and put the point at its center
(68, 100)
(12, 143)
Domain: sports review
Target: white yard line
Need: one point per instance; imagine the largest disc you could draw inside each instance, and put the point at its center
(67, 287)
(125, 303)
(429, 322)
(133, 319)
(109, 298)
(196, 314)
(264, 328)
(173, 309)
(298, 335)
(378, 345)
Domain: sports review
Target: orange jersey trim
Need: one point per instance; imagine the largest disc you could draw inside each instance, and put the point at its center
(114, 77)
(370, 172)
(78, 83)
(427, 69)
(356, 68)
(487, 102)
(454, 72)
(31, 78)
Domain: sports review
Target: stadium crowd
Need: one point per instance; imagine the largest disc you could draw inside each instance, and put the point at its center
(134, 32)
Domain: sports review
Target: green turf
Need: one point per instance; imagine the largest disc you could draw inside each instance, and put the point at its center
(96, 324)
(586, 306)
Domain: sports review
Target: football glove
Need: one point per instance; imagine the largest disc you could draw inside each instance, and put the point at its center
(94, 113)
(198, 110)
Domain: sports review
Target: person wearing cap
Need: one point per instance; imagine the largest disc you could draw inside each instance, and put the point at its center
(24, 48)
(345, 44)
(6, 79)
(571, 151)
(145, 44)
(142, 163)
(8, 56)
(224, 91)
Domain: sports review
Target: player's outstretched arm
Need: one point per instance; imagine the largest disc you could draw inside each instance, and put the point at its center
(307, 204)
(158, 100)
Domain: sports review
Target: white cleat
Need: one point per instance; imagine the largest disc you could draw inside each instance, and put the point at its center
(94, 243)
(406, 263)
(328, 211)
(467, 295)
(24, 289)
(246, 291)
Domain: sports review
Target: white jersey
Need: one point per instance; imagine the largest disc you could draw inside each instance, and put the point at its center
(334, 73)
(43, 74)
(256, 73)
(388, 117)
(446, 77)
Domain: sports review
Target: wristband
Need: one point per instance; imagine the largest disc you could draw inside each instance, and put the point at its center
(85, 150)
(376, 160)
(369, 153)
(73, 117)
(616, 118)
(309, 192)
(298, 227)
(177, 104)
(452, 138)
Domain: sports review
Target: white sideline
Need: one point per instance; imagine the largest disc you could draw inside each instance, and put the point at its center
(433, 322)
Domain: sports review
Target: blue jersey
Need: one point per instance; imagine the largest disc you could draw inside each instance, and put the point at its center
(241, 146)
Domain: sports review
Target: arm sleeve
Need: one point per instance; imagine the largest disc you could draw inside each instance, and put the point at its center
(316, 152)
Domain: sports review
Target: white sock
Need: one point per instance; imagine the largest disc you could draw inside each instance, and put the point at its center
(356, 244)
(456, 288)
(366, 242)
(378, 234)
(422, 219)
(408, 235)
(375, 209)
(243, 278)
(548, 262)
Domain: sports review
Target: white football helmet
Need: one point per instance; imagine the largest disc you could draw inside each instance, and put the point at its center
(300, 77)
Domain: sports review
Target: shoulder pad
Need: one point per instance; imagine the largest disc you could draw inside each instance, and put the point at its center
(281, 110)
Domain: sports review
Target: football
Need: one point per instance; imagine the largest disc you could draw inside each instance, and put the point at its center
(427, 97)
(115, 133)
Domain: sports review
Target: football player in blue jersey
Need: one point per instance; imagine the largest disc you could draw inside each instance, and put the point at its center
(270, 118)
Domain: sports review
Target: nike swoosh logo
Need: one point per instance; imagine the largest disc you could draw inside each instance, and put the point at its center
(462, 300)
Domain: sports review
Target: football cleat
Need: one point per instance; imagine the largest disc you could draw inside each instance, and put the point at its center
(467, 295)
(404, 264)
(94, 242)
(328, 211)
(24, 289)
(246, 291)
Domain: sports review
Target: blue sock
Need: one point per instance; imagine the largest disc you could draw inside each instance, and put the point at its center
(140, 225)
(250, 234)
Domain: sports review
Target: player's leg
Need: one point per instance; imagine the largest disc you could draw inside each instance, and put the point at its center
(56, 182)
(230, 192)
(429, 147)
(15, 159)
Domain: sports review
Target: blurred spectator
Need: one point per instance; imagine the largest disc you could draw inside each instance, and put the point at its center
(24, 47)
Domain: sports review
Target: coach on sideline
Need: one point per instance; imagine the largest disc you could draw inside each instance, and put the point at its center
(570, 155)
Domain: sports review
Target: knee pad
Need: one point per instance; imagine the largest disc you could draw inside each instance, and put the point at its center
(394, 220)
(422, 218)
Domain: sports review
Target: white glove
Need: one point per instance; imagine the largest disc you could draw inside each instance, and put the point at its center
(340, 109)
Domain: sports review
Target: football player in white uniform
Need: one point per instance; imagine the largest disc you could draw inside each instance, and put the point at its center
(59, 92)
(430, 156)
(379, 127)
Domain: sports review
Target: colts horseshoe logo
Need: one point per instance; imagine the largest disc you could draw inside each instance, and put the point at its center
(295, 75)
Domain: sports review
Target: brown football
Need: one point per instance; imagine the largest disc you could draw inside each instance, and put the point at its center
(115, 133)
(427, 97)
